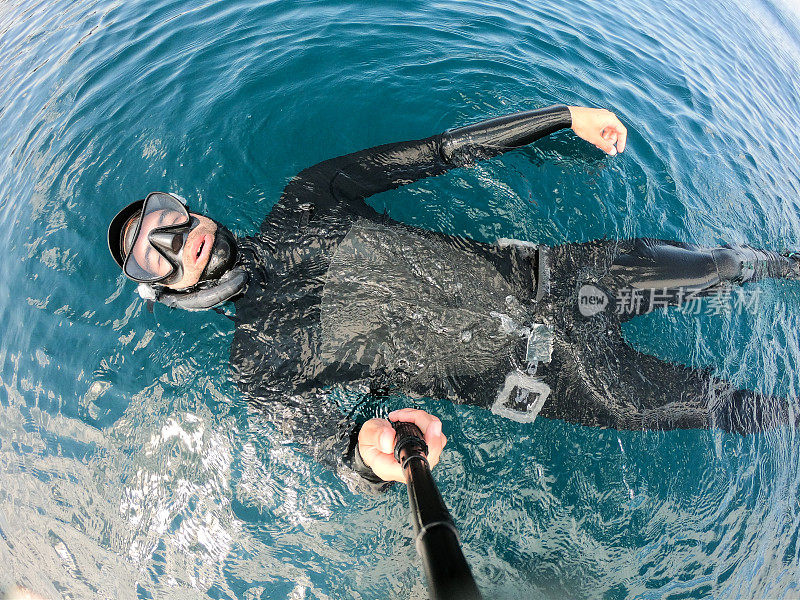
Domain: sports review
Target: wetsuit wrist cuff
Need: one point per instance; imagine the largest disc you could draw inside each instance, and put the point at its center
(567, 117)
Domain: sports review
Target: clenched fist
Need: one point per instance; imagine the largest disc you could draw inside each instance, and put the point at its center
(376, 442)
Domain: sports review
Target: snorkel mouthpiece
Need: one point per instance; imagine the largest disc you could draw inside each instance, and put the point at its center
(221, 280)
(223, 255)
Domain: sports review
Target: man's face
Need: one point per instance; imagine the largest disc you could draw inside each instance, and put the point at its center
(196, 250)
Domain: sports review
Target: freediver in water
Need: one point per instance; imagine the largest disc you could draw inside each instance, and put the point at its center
(336, 303)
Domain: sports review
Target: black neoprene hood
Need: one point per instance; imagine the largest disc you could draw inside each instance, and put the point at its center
(117, 228)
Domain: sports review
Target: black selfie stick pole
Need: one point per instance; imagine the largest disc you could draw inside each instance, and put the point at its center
(448, 573)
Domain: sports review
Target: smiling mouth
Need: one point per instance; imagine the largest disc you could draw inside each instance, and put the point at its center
(200, 250)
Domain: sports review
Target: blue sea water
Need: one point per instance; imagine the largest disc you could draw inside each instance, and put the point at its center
(129, 465)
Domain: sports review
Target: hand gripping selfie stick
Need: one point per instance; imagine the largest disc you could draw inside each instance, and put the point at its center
(448, 573)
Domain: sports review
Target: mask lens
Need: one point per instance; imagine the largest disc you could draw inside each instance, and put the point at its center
(145, 262)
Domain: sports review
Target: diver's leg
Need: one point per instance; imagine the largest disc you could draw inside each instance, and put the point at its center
(677, 271)
(741, 264)
(646, 262)
(595, 378)
(746, 411)
(648, 274)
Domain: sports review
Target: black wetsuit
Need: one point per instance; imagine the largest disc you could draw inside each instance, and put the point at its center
(345, 303)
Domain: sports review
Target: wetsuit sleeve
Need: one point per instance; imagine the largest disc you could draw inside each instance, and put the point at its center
(493, 137)
(344, 183)
(313, 425)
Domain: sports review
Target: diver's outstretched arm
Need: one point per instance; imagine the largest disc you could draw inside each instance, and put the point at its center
(493, 137)
(344, 182)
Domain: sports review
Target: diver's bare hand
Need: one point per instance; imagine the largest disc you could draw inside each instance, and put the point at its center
(376, 442)
(600, 127)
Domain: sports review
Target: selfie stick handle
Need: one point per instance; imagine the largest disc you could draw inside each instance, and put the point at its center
(449, 576)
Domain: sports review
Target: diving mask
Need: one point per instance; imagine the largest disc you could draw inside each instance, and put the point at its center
(156, 240)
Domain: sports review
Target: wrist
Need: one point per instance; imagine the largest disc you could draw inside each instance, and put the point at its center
(573, 115)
